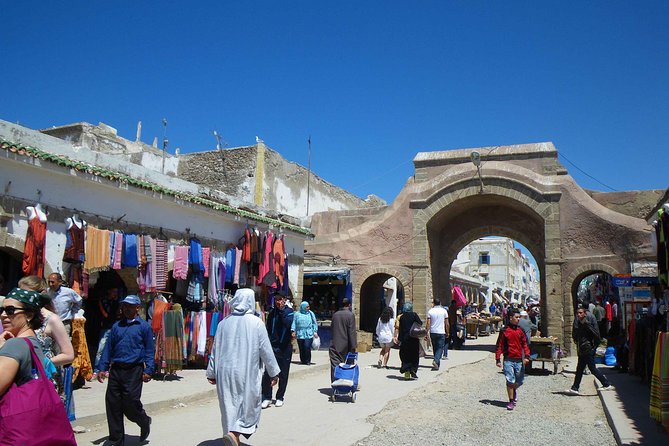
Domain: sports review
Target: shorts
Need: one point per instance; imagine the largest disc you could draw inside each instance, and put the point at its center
(514, 372)
(386, 344)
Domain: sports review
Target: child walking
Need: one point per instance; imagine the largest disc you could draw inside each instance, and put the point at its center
(512, 343)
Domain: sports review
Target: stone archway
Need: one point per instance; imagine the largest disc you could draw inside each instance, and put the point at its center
(368, 283)
(459, 213)
(521, 192)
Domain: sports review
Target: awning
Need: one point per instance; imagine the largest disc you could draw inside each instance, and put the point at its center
(340, 274)
(499, 299)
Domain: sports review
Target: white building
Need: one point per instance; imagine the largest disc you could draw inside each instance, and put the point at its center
(509, 274)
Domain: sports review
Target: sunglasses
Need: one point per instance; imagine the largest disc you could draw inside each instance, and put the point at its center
(10, 310)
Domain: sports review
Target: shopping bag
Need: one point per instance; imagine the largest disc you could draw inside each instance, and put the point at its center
(33, 414)
(316, 343)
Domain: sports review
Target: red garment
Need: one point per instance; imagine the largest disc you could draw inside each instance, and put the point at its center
(34, 251)
(512, 343)
(609, 312)
(246, 248)
(279, 255)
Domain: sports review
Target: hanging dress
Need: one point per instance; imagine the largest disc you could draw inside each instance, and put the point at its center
(34, 251)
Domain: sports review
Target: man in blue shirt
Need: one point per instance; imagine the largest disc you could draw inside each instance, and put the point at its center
(129, 353)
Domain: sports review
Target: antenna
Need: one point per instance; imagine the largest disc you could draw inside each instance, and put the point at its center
(164, 142)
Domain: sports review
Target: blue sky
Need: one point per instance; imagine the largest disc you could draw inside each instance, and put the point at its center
(372, 82)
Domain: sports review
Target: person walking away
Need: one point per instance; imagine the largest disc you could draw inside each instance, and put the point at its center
(127, 360)
(241, 351)
(279, 320)
(409, 346)
(66, 301)
(585, 334)
(304, 329)
(384, 335)
(344, 336)
(438, 328)
(513, 345)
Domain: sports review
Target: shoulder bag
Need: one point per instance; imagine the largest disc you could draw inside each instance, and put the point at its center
(33, 414)
(417, 331)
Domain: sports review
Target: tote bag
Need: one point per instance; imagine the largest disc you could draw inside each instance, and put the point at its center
(33, 414)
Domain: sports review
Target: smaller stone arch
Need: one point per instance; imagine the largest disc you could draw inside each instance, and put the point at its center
(578, 274)
(571, 289)
(360, 280)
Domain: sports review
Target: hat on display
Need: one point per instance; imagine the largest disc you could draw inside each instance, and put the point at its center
(523, 313)
(131, 300)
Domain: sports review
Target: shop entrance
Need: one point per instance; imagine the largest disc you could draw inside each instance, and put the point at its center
(10, 269)
(378, 291)
(596, 290)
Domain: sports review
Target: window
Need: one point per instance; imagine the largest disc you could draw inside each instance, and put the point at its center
(484, 258)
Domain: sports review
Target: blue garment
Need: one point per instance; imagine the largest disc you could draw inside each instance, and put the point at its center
(130, 342)
(130, 251)
(229, 265)
(304, 323)
(439, 347)
(195, 260)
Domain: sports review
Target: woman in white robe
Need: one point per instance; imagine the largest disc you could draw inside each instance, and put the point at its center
(241, 352)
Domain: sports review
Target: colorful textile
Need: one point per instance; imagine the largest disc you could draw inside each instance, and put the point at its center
(82, 361)
(118, 250)
(159, 307)
(279, 256)
(161, 265)
(206, 254)
(74, 244)
(659, 384)
(35, 248)
(97, 249)
(180, 270)
(173, 322)
(130, 258)
(238, 264)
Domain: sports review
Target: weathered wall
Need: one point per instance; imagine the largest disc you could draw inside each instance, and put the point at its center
(231, 171)
(104, 139)
(636, 203)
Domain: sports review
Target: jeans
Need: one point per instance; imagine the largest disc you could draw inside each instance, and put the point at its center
(438, 346)
(588, 359)
(283, 357)
(305, 350)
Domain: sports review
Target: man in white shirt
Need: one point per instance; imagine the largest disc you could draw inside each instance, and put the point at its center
(437, 326)
(66, 301)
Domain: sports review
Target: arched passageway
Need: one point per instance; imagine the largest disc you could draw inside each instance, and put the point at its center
(377, 291)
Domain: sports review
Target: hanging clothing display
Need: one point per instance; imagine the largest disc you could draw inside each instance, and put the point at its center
(35, 247)
(97, 249)
(180, 270)
(659, 384)
(161, 265)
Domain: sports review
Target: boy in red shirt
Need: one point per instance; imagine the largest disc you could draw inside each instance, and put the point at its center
(512, 343)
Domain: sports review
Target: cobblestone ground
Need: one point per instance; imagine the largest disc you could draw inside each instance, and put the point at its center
(467, 406)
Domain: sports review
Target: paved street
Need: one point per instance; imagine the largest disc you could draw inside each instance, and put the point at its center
(392, 405)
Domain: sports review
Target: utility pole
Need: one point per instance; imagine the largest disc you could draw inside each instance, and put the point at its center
(308, 171)
(164, 142)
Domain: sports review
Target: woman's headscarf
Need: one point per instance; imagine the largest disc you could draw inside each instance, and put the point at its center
(303, 307)
(27, 297)
(408, 307)
(244, 301)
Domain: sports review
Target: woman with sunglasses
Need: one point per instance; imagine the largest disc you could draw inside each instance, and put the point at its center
(20, 315)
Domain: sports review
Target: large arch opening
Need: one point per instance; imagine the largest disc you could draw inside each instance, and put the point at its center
(377, 291)
(476, 217)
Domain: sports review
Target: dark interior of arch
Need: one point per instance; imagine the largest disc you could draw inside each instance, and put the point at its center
(370, 300)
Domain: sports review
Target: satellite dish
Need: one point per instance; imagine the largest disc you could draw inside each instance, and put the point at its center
(476, 158)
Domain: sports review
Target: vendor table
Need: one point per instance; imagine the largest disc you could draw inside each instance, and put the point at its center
(546, 350)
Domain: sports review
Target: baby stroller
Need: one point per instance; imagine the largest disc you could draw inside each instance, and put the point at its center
(346, 378)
